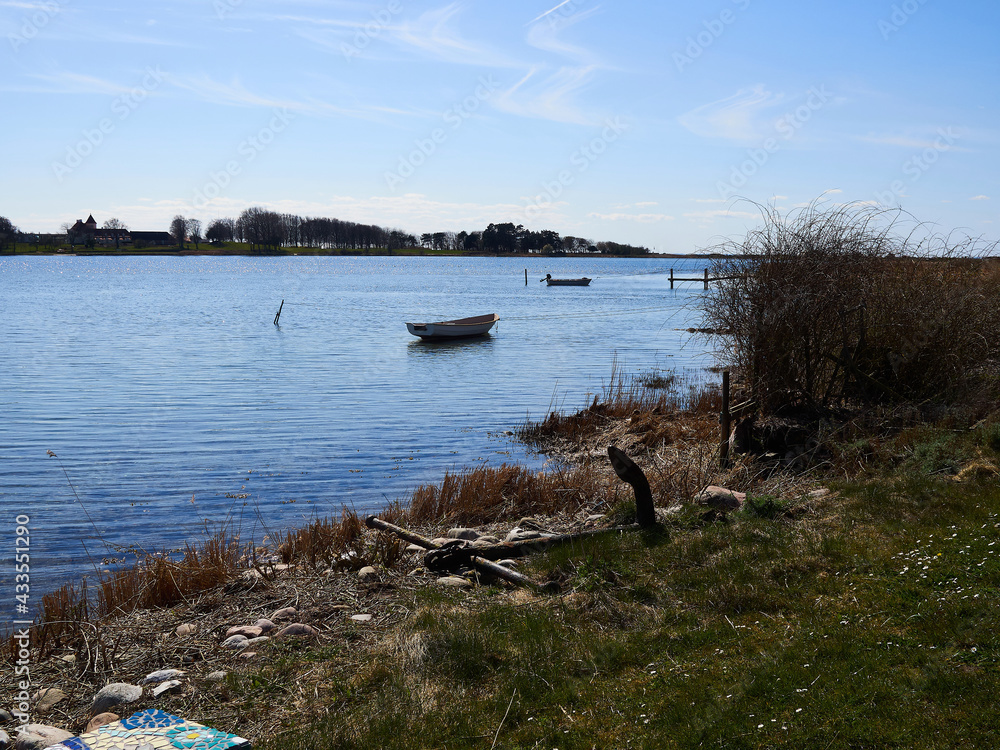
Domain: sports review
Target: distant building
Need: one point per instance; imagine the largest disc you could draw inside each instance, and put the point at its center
(87, 233)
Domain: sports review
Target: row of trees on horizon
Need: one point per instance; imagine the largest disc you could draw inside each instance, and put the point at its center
(269, 231)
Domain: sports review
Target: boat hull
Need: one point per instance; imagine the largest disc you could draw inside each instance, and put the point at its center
(567, 282)
(450, 330)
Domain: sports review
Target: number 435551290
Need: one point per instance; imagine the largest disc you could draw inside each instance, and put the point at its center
(22, 569)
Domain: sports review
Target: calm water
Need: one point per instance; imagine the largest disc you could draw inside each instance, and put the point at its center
(173, 403)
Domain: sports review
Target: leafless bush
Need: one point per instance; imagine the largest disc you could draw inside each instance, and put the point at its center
(827, 306)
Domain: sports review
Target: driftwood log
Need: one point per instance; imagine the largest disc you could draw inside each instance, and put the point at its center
(438, 561)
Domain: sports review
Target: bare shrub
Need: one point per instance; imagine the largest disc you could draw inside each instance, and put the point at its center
(827, 306)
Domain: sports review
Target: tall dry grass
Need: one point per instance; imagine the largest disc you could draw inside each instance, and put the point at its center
(828, 306)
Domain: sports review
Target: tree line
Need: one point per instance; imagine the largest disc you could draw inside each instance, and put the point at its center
(269, 231)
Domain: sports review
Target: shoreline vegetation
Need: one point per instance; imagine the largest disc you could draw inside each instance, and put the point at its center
(842, 593)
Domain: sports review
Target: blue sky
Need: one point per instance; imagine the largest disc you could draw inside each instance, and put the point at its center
(636, 122)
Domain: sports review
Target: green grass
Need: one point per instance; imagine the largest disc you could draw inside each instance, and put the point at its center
(870, 621)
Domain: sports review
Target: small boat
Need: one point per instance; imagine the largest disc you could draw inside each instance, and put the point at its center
(462, 328)
(549, 281)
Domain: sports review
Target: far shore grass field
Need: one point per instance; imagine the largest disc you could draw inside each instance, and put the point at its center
(239, 248)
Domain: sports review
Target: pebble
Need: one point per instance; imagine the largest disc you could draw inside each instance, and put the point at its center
(296, 628)
(258, 639)
(235, 642)
(188, 628)
(4, 740)
(248, 654)
(470, 535)
(100, 720)
(517, 534)
(441, 540)
(6, 716)
(455, 582)
(165, 686)
(216, 676)
(265, 625)
(367, 572)
(721, 499)
(161, 675)
(40, 736)
(113, 695)
(361, 618)
(285, 613)
(46, 698)
(248, 631)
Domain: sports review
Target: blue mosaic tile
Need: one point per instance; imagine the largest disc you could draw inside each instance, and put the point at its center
(154, 730)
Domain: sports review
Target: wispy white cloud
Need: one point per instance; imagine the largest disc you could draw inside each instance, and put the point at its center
(979, 198)
(720, 213)
(434, 35)
(549, 96)
(66, 82)
(736, 118)
(638, 218)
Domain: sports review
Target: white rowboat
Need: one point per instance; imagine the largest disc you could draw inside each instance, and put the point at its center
(462, 328)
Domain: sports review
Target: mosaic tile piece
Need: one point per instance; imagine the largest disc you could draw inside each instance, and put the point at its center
(154, 730)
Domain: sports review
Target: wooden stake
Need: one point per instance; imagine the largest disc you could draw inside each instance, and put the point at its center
(278, 315)
(725, 423)
(629, 471)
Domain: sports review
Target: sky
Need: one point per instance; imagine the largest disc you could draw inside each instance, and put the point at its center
(663, 124)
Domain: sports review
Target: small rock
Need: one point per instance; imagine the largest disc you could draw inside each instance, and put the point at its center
(113, 695)
(441, 540)
(721, 499)
(286, 613)
(821, 492)
(296, 628)
(414, 548)
(46, 698)
(265, 625)
(367, 572)
(455, 582)
(258, 639)
(489, 539)
(188, 628)
(216, 676)
(100, 720)
(470, 535)
(248, 631)
(518, 534)
(165, 686)
(161, 675)
(235, 642)
(361, 618)
(39, 737)
(530, 523)
(6, 716)
(5, 742)
(248, 654)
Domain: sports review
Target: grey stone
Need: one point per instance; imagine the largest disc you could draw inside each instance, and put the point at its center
(361, 618)
(46, 698)
(296, 628)
(218, 676)
(40, 736)
(518, 534)
(441, 540)
(470, 535)
(235, 642)
(188, 628)
(113, 695)
(455, 582)
(162, 675)
(5, 742)
(367, 572)
(248, 631)
(258, 639)
(721, 499)
(6, 716)
(414, 548)
(265, 625)
(286, 613)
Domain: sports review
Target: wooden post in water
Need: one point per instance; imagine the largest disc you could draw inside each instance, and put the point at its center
(526, 277)
(671, 278)
(278, 315)
(706, 279)
(725, 423)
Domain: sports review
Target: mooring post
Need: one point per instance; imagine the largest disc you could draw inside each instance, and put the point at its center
(671, 278)
(629, 471)
(278, 315)
(725, 426)
(706, 279)
(526, 277)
